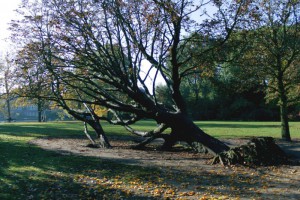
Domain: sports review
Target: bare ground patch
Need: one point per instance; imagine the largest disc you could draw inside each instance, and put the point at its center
(192, 176)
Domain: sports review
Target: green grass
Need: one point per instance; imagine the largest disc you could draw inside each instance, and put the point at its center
(222, 129)
(29, 172)
(247, 129)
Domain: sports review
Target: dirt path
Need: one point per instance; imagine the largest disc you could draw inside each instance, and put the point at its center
(282, 182)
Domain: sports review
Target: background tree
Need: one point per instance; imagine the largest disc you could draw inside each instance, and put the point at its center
(272, 52)
(33, 82)
(8, 85)
(217, 90)
(38, 84)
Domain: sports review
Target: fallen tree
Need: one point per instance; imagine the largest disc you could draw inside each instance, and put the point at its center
(108, 51)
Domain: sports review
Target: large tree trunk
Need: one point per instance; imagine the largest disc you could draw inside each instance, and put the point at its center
(6, 81)
(9, 119)
(39, 109)
(285, 130)
(184, 129)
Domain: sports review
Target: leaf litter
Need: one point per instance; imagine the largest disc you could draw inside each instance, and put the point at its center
(179, 174)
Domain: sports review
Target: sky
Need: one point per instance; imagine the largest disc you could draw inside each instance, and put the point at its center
(7, 13)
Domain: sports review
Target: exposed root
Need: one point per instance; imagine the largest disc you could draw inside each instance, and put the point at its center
(198, 147)
(99, 145)
(93, 146)
(166, 145)
(142, 144)
(259, 151)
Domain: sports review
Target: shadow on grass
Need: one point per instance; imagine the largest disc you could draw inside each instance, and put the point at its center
(60, 130)
(28, 172)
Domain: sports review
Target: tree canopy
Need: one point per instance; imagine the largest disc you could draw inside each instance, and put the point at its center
(269, 52)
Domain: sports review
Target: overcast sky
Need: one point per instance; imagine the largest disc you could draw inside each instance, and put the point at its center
(7, 13)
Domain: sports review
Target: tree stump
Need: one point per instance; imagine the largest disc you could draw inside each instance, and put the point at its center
(258, 151)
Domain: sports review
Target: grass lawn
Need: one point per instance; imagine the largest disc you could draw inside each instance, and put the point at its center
(247, 129)
(222, 129)
(29, 172)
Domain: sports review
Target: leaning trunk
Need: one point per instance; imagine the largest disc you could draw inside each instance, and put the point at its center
(101, 140)
(92, 120)
(184, 129)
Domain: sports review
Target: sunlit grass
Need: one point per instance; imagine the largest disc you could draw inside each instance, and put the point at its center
(247, 129)
(215, 128)
(221, 129)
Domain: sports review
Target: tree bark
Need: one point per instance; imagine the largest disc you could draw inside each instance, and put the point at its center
(258, 151)
(102, 140)
(184, 129)
(39, 108)
(94, 121)
(9, 119)
(285, 130)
